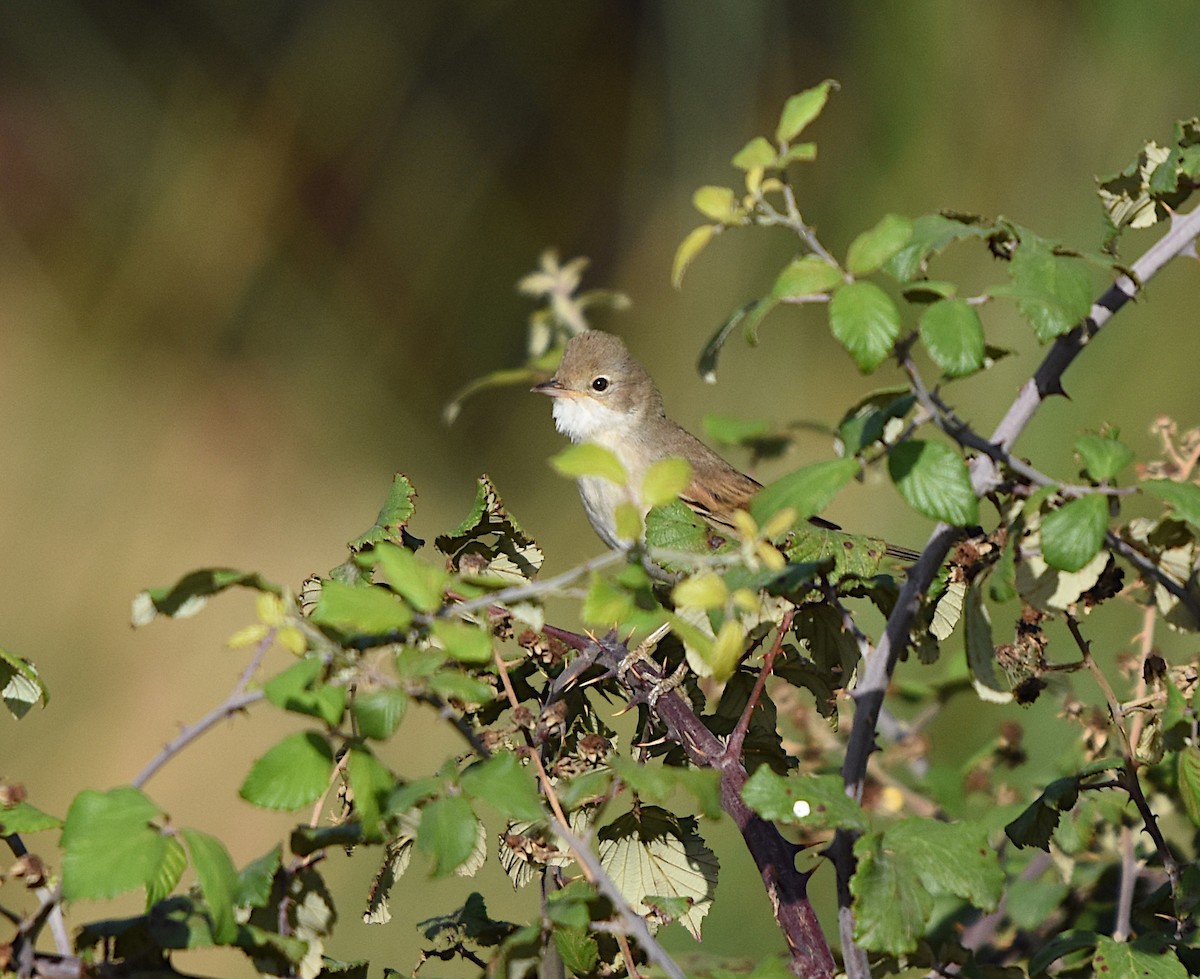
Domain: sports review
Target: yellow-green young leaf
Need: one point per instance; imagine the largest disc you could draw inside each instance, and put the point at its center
(605, 603)
(757, 153)
(364, 609)
(807, 276)
(953, 334)
(629, 522)
(718, 203)
(590, 459)
(801, 109)
(872, 248)
(466, 643)
(704, 590)
(665, 480)
(727, 649)
(689, 248)
(866, 322)
(933, 479)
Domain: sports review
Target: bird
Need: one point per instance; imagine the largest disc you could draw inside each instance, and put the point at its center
(602, 394)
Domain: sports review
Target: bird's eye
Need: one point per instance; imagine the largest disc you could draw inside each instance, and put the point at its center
(600, 384)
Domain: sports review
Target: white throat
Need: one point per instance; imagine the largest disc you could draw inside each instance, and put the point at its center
(586, 420)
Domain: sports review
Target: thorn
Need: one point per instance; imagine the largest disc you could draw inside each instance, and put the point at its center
(651, 744)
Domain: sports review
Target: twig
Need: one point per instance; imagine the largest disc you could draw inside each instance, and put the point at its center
(532, 589)
(1129, 780)
(985, 477)
(238, 700)
(596, 874)
(1152, 570)
(635, 924)
(737, 738)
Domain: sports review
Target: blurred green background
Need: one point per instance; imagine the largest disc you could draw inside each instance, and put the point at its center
(250, 249)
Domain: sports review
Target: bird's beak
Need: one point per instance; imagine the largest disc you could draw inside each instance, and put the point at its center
(554, 388)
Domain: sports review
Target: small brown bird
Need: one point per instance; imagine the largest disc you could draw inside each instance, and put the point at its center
(602, 395)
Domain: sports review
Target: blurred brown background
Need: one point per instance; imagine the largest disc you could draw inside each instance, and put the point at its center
(248, 250)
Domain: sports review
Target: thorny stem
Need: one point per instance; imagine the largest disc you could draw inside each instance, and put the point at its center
(774, 856)
(985, 477)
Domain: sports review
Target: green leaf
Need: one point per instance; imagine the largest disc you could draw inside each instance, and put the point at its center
(170, 870)
(758, 153)
(578, 950)
(719, 204)
(394, 515)
(256, 879)
(360, 610)
(590, 459)
(665, 481)
(21, 817)
(689, 248)
(110, 845)
(301, 689)
(735, 431)
(901, 871)
(807, 276)
(292, 774)
(1103, 455)
(953, 334)
(872, 248)
(801, 109)
(465, 642)
(461, 689)
(218, 881)
(934, 481)
(707, 364)
(1188, 777)
(20, 685)
(1036, 824)
(191, 593)
(524, 377)
(1074, 533)
(866, 322)
(676, 527)
(447, 833)
(492, 536)
(875, 418)
(1146, 958)
(1053, 292)
(372, 785)
(506, 785)
(419, 582)
(981, 649)
(379, 712)
(891, 905)
(931, 234)
(807, 491)
(651, 851)
(817, 801)
(1183, 498)
(660, 783)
